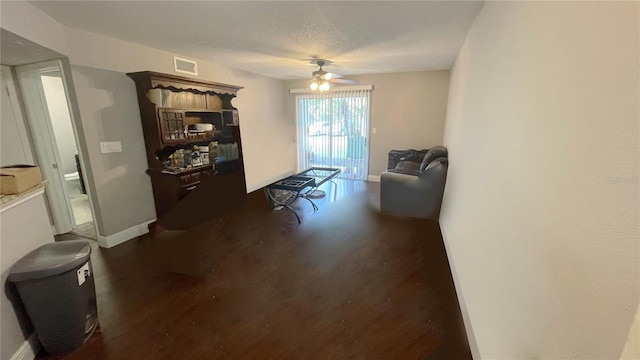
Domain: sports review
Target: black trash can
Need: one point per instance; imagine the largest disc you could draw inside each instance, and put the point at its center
(55, 284)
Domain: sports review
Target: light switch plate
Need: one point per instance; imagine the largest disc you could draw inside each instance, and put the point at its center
(110, 147)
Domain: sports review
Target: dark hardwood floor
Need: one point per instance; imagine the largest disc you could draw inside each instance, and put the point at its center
(348, 283)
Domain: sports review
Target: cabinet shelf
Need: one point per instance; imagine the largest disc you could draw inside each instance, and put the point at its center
(173, 122)
(182, 171)
(188, 139)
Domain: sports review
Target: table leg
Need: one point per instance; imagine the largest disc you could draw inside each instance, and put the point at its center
(286, 204)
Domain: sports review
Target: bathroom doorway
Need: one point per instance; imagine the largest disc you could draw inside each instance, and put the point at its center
(54, 136)
(74, 187)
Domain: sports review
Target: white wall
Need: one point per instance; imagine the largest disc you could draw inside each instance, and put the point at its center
(407, 109)
(540, 215)
(109, 111)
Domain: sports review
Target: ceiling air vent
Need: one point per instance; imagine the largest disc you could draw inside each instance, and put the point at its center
(185, 66)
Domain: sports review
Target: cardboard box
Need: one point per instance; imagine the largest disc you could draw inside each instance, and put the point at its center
(15, 179)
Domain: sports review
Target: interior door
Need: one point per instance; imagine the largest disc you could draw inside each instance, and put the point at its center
(29, 78)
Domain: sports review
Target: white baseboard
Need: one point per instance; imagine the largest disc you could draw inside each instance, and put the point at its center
(374, 178)
(124, 235)
(28, 350)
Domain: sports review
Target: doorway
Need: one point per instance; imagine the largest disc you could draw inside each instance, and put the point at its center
(333, 131)
(54, 137)
(73, 184)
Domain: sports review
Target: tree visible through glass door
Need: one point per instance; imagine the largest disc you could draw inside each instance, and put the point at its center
(333, 130)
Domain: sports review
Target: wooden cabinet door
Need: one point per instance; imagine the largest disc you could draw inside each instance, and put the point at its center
(171, 126)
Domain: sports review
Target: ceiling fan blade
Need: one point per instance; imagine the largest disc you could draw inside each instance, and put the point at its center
(329, 76)
(344, 81)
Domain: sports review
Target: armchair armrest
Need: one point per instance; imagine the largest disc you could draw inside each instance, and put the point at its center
(413, 195)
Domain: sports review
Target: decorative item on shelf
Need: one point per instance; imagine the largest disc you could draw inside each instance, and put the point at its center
(195, 157)
(182, 158)
(203, 127)
(204, 155)
(200, 131)
(165, 156)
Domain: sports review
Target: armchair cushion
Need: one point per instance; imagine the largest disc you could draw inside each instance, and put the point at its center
(408, 166)
(400, 156)
(433, 153)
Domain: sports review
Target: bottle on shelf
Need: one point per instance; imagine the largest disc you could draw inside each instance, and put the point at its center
(195, 156)
(204, 155)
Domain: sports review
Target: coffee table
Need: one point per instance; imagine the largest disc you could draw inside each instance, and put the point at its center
(300, 185)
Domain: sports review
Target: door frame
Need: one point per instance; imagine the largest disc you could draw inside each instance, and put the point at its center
(367, 130)
(44, 142)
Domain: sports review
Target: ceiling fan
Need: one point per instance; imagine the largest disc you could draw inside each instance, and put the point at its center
(322, 79)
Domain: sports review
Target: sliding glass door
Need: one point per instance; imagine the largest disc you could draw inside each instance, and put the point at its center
(332, 131)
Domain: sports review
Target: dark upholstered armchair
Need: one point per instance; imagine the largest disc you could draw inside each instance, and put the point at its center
(414, 188)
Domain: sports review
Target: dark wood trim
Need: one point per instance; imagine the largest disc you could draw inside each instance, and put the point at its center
(181, 83)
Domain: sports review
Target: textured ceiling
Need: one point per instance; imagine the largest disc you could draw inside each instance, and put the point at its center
(275, 38)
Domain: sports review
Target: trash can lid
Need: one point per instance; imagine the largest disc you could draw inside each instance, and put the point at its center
(50, 259)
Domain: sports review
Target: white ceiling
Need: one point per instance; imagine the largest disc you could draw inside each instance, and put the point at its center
(275, 38)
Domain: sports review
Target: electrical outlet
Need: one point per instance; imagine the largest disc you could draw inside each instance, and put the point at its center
(373, 130)
(110, 147)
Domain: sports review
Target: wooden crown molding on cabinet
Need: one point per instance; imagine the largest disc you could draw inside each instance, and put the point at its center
(181, 83)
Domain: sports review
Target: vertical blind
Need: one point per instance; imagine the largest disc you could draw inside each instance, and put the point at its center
(333, 130)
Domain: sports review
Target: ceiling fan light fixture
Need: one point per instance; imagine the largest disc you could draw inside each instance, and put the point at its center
(324, 86)
(321, 80)
(319, 84)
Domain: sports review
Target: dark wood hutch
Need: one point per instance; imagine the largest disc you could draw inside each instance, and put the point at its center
(169, 105)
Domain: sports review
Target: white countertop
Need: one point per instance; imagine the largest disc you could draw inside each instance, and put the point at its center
(9, 201)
